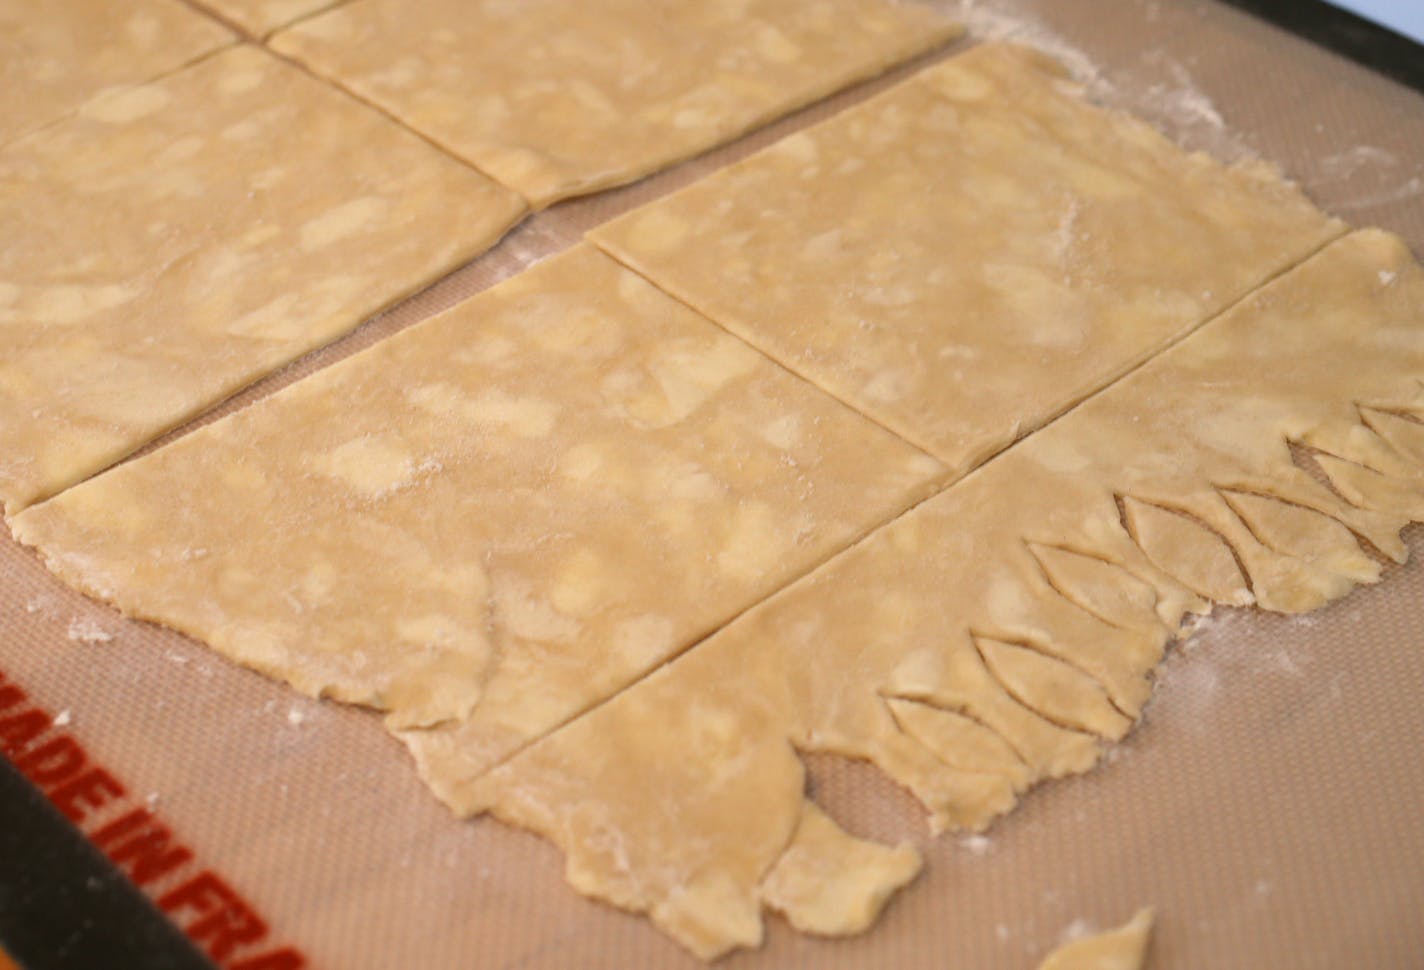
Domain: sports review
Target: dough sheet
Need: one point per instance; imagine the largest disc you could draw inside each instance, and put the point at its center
(1124, 948)
(971, 252)
(180, 239)
(557, 98)
(1000, 633)
(498, 517)
(57, 54)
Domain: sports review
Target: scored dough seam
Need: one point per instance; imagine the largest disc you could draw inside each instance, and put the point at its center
(242, 33)
(74, 112)
(337, 85)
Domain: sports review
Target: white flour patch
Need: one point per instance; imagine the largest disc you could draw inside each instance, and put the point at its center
(977, 844)
(1342, 166)
(1181, 101)
(82, 630)
(1163, 90)
(1408, 190)
(1018, 27)
(1159, 88)
(1381, 176)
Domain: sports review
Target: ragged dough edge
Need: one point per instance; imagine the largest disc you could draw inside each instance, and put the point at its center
(407, 693)
(1244, 520)
(1124, 948)
(412, 694)
(808, 884)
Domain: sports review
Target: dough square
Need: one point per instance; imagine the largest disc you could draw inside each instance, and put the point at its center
(557, 98)
(971, 252)
(496, 518)
(57, 54)
(177, 240)
(999, 633)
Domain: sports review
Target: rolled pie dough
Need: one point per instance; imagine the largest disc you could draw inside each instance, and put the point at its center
(997, 634)
(1124, 948)
(557, 98)
(57, 54)
(499, 517)
(971, 252)
(178, 240)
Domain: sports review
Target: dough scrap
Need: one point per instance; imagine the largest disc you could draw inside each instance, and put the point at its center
(1124, 948)
(57, 54)
(502, 515)
(178, 240)
(261, 17)
(971, 252)
(691, 778)
(557, 98)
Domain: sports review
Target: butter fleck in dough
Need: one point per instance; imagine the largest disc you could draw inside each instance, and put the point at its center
(494, 519)
(1124, 948)
(971, 252)
(1001, 632)
(57, 54)
(557, 98)
(175, 241)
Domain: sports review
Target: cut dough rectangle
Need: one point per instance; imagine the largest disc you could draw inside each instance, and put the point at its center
(988, 638)
(177, 240)
(557, 98)
(57, 54)
(504, 515)
(971, 252)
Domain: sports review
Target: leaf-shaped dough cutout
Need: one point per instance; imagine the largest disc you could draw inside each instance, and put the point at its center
(1305, 534)
(1059, 691)
(961, 742)
(831, 883)
(1357, 442)
(1107, 591)
(1189, 552)
(1369, 489)
(1406, 436)
(958, 680)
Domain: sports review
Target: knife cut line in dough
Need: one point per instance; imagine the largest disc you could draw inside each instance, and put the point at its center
(997, 634)
(259, 18)
(971, 252)
(1124, 948)
(57, 54)
(557, 98)
(175, 241)
(499, 516)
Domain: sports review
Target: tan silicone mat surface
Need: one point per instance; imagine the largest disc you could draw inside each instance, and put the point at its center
(1271, 804)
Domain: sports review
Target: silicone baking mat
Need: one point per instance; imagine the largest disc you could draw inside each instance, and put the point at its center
(1269, 805)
